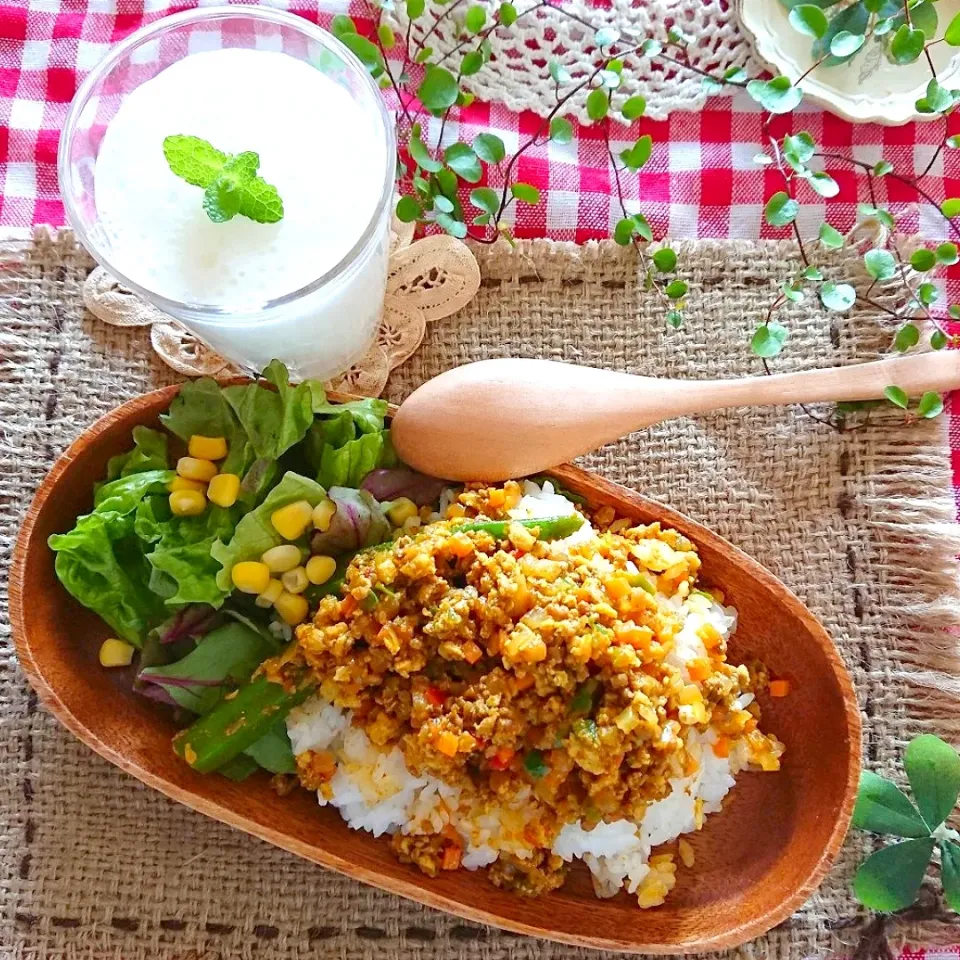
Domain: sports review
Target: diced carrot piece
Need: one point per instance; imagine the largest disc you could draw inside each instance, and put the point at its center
(699, 670)
(347, 605)
(497, 497)
(750, 725)
(460, 546)
(451, 857)
(448, 743)
(436, 696)
(501, 759)
(523, 682)
(640, 638)
(709, 635)
(471, 652)
(618, 587)
(450, 832)
(779, 688)
(722, 747)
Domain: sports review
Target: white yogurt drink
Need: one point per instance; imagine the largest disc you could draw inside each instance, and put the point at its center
(328, 157)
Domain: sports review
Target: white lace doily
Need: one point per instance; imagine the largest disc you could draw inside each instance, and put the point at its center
(517, 74)
(429, 279)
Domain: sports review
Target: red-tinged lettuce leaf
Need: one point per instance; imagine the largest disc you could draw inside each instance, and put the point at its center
(391, 483)
(223, 658)
(254, 534)
(359, 522)
(192, 621)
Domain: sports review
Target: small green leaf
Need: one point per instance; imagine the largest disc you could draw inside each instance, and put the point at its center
(415, 8)
(735, 75)
(472, 63)
(830, 237)
(923, 260)
(808, 19)
(561, 130)
(438, 91)
(899, 399)
(525, 192)
(710, 85)
(954, 311)
(609, 79)
(777, 95)
(907, 44)
(950, 873)
(947, 254)
(456, 228)
(365, 51)
(444, 204)
(676, 289)
(938, 339)
(408, 210)
(890, 879)
(475, 19)
(633, 108)
(623, 232)
(793, 294)
(937, 99)
(597, 104)
(837, 296)
(486, 199)
(423, 55)
(641, 226)
(665, 260)
(341, 25)
(930, 406)
(386, 37)
(762, 159)
(769, 339)
(419, 154)
(559, 73)
(907, 336)
(882, 167)
(927, 294)
(507, 14)
(675, 319)
(650, 47)
(880, 264)
(461, 159)
(952, 34)
(481, 220)
(846, 44)
(800, 145)
(193, 159)
(882, 807)
(824, 184)
(812, 273)
(606, 37)
(924, 17)
(638, 154)
(781, 210)
(221, 200)
(954, 141)
(489, 148)
(446, 180)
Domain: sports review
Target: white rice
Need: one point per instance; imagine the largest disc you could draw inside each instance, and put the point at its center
(373, 789)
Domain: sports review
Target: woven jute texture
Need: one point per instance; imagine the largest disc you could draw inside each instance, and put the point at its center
(860, 523)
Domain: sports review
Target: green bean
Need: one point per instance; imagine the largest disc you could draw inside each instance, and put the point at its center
(233, 725)
(545, 528)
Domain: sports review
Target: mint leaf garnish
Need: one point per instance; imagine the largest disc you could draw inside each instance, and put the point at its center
(229, 181)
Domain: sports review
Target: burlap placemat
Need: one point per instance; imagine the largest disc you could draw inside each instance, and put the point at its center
(94, 866)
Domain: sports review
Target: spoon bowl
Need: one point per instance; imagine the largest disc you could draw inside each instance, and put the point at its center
(756, 861)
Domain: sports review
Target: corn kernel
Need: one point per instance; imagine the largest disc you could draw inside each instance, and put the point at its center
(323, 513)
(292, 520)
(295, 581)
(292, 607)
(269, 596)
(187, 503)
(116, 653)
(401, 510)
(224, 489)
(282, 558)
(194, 469)
(181, 483)
(320, 569)
(207, 448)
(249, 576)
(687, 855)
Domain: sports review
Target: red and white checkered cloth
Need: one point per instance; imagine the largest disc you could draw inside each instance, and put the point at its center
(701, 180)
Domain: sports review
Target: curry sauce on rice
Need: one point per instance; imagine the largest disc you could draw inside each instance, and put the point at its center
(493, 698)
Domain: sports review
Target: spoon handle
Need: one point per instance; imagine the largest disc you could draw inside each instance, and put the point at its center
(914, 374)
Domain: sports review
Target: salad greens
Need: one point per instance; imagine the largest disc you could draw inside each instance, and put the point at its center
(162, 582)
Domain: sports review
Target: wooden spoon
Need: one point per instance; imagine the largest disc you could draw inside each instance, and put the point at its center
(498, 419)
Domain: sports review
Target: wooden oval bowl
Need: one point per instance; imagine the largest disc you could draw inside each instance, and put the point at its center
(756, 861)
